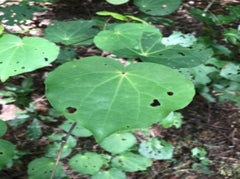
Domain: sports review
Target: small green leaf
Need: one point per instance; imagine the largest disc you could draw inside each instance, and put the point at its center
(34, 130)
(231, 71)
(113, 14)
(178, 38)
(80, 32)
(117, 2)
(6, 152)
(131, 162)
(78, 130)
(173, 119)
(113, 173)
(88, 163)
(120, 90)
(42, 168)
(157, 7)
(199, 152)
(118, 142)
(156, 149)
(136, 19)
(23, 51)
(53, 149)
(3, 128)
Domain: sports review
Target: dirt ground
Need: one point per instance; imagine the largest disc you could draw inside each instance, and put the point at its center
(213, 126)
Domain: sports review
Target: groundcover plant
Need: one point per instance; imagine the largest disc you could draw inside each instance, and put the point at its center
(105, 97)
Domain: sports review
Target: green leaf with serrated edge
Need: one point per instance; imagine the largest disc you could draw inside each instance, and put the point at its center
(113, 14)
(78, 130)
(80, 32)
(145, 43)
(24, 55)
(131, 162)
(173, 119)
(115, 92)
(42, 168)
(1, 29)
(3, 128)
(88, 163)
(118, 142)
(199, 74)
(157, 7)
(231, 71)
(117, 2)
(178, 38)
(34, 130)
(6, 152)
(113, 173)
(156, 149)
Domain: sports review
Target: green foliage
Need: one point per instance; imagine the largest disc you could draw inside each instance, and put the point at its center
(118, 142)
(156, 149)
(34, 130)
(169, 91)
(173, 119)
(113, 173)
(3, 128)
(117, 2)
(22, 52)
(80, 32)
(88, 163)
(157, 7)
(131, 162)
(232, 35)
(7, 151)
(42, 168)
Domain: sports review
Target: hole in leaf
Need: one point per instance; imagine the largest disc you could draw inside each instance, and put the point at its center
(71, 110)
(15, 70)
(46, 59)
(17, 62)
(1, 153)
(123, 139)
(164, 6)
(127, 126)
(123, 73)
(180, 53)
(170, 93)
(23, 67)
(155, 103)
(160, 54)
(106, 64)
(1, 62)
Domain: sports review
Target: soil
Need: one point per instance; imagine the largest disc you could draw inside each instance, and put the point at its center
(213, 126)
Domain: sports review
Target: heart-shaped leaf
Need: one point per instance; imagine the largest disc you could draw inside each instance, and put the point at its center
(80, 32)
(100, 93)
(145, 42)
(88, 163)
(118, 142)
(157, 7)
(24, 55)
(6, 152)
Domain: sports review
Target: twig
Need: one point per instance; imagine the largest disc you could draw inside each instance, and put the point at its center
(209, 5)
(61, 149)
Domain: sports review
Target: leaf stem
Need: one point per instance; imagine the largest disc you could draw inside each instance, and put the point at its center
(64, 140)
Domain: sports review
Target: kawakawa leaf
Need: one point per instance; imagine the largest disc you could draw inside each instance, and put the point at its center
(24, 55)
(80, 32)
(145, 42)
(106, 97)
(157, 7)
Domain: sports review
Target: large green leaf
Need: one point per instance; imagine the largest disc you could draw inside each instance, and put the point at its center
(24, 55)
(6, 152)
(80, 32)
(145, 42)
(113, 173)
(157, 7)
(106, 97)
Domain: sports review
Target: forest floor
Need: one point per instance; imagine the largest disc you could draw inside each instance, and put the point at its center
(213, 126)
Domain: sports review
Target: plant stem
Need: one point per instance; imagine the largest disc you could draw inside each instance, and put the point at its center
(209, 5)
(64, 140)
